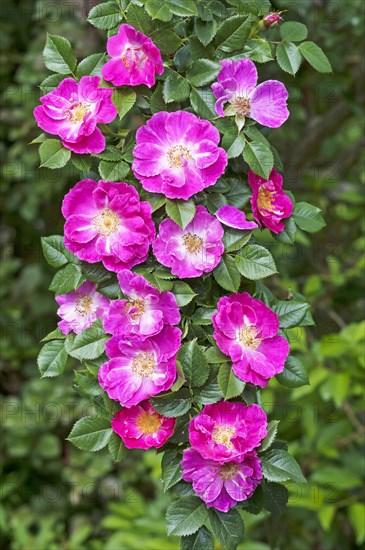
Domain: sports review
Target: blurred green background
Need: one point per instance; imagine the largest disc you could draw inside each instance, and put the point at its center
(57, 497)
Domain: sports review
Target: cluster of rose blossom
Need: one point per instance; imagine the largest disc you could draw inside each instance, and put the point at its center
(178, 155)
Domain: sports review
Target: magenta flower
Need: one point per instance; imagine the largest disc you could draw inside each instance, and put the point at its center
(246, 330)
(226, 431)
(140, 368)
(177, 154)
(80, 308)
(72, 112)
(107, 222)
(135, 59)
(141, 427)
(270, 205)
(271, 20)
(232, 217)
(236, 85)
(145, 312)
(221, 486)
(192, 251)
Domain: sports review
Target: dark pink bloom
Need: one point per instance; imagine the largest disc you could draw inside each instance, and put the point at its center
(192, 251)
(138, 368)
(107, 222)
(270, 205)
(246, 330)
(135, 59)
(232, 217)
(177, 154)
(146, 310)
(80, 308)
(236, 85)
(221, 486)
(227, 430)
(72, 112)
(141, 427)
(271, 20)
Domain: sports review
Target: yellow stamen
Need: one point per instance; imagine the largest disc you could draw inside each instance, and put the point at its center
(193, 243)
(78, 111)
(247, 337)
(242, 106)
(83, 304)
(148, 423)
(138, 305)
(265, 199)
(222, 434)
(143, 364)
(176, 154)
(229, 471)
(106, 222)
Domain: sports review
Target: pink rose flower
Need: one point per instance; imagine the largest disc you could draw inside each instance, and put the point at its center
(135, 59)
(271, 20)
(141, 427)
(80, 308)
(145, 312)
(236, 85)
(270, 205)
(138, 368)
(192, 251)
(221, 486)
(232, 217)
(177, 154)
(246, 330)
(107, 222)
(227, 430)
(72, 112)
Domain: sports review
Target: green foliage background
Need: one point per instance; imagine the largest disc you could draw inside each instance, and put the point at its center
(55, 496)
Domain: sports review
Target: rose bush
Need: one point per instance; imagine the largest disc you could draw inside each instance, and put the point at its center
(182, 167)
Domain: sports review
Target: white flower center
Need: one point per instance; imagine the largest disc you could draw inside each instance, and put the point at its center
(241, 106)
(77, 112)
(106, 222)
(144, 364)
(83, 304)
(192, 242)
(138, 305)
(247, 337)
(223, 433)
(176, 154)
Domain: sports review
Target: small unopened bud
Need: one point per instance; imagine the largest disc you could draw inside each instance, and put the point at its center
(271, 20)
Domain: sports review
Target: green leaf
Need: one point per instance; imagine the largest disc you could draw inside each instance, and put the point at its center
(203, 316)
(293, 31)
(193, 363)
(172, 404)
(91, 433)
(67, 279)
(58, 55)
(291, 313)
(258, 50)
(275, 498)
(56, 334)
(315, 57)
(87, 386)
(105, 16)
(91, 65)
(110, 153)
(201, 540)
(288, 57)
(182, 212)
(235, 32)
(171, 470)
(233, 143)
(116, 448)
(209, 393)
(308, 217)
(82, 162)
(53, 154)
(186, 516)
(271, 434)
(89, 343)
(140, 20)
(183, 7)
(259, 158)
(203, 101)
(288, 234)
(203, 71)
(227, 527)
(158, 9)
(215, 356)
(51, 82)
(124, 99)
(227, 275)
(52, 359)
(255, 262)
(167, 41)
(356, 514)
(113, 171)
(54, 251)
(97, 273)
(205, 30)
(230, 385)
(183, 293)
(294, 374)
(157, 102)
(235, 239)
(278, 465)
(175, 88)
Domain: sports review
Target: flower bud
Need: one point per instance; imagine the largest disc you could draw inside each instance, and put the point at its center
(271, 20)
